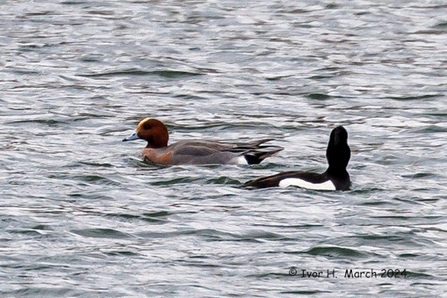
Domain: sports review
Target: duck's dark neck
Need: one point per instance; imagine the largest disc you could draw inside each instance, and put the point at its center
(338, 158)
(334, 171)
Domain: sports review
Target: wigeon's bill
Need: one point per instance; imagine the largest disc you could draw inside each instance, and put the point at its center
(157, 150)
(335, 177)
(132, 137)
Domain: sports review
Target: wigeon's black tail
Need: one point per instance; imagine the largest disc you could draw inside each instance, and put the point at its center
(254, 152)
(256, 156)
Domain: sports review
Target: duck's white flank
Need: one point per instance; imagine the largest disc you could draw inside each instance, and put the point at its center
(328, 185)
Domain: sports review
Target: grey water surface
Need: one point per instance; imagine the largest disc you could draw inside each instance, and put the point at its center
(82, 215)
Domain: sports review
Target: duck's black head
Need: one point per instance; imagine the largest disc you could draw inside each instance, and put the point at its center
(338, 152)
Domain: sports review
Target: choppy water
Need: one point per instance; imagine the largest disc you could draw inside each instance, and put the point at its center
(82, 215)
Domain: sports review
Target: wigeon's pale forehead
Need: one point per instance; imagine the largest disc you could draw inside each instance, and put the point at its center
(142, 122)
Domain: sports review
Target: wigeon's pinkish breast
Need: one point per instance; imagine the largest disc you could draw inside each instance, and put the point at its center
(157, 150)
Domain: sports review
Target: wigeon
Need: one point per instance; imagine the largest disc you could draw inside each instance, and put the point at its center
(334, 178)
(157, 150)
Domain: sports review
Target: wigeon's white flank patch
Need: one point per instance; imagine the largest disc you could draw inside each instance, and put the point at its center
(241, 160)
(328, 185)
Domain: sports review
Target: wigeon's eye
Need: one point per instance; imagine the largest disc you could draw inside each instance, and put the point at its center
(147, 126)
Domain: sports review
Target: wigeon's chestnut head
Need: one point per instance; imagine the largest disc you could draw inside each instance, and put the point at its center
(157, 150)
(335, 177)
(151, 130)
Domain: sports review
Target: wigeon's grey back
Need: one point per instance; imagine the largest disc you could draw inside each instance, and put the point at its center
(214, 152)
